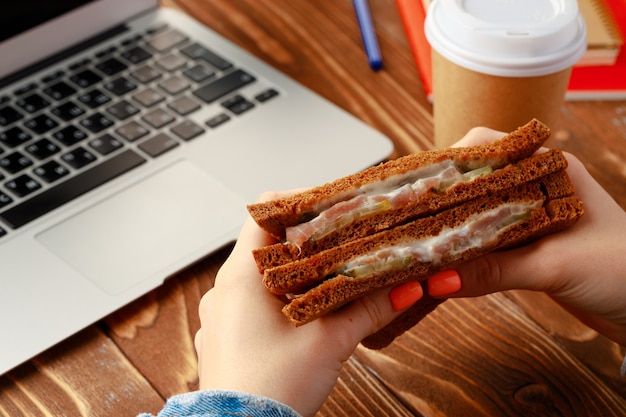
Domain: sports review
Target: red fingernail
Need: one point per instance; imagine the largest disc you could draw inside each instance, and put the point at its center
(405, 295)
(444, 283)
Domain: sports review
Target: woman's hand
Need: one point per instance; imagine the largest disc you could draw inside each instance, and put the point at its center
(582, 268)
(246, 343)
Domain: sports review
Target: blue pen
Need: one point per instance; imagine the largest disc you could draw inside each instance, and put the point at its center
(368, 34)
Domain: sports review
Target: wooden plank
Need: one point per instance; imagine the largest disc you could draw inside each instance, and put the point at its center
(86, 375)
(359, 392)
(486, 357)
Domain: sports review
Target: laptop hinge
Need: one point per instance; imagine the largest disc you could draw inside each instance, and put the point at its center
(66, 53)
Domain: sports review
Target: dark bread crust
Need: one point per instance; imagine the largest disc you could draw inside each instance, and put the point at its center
(299, 276)
(510, 176)
(274, 216)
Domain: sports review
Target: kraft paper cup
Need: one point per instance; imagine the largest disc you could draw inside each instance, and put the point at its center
(499, 64)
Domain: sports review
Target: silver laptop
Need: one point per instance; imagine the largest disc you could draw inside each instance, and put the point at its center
(131, 140)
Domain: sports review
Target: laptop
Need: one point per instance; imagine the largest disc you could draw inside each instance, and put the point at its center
(131, 139)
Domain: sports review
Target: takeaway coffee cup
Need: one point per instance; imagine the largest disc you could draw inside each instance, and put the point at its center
(500, 63)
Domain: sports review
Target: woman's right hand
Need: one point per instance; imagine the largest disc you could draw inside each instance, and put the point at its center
(583, 268)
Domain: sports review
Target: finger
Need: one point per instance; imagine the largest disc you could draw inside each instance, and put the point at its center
(479, 136)
(251, 235)
(370, 313)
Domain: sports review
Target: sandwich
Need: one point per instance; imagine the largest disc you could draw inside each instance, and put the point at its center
(398, 191)
(410, 218)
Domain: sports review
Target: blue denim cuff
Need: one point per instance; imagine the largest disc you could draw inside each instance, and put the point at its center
(218, 403)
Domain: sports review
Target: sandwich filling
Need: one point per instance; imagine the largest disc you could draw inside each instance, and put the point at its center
(479, 230)
(394, 192)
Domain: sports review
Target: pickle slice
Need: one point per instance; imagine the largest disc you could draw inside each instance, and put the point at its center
(360, 271)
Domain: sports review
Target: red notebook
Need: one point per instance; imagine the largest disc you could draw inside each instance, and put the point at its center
(586, 82)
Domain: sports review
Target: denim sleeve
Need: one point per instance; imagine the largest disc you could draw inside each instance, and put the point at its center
(217, 403)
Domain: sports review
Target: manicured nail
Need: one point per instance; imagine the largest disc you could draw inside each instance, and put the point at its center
(444, 283)
(405, 295)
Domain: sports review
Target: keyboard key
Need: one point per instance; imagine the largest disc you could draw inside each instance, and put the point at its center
(266, 95)
(52, 76)
(158, 118)
(67, 111)
(32, 103)
(158, 145)
(227, 84)
(132, 39)
(171, 62)
(132, 131)
(199, 73)
(237, 104)
(187, 130)
(94, 98)
(106, 51)
(79, 157)
(184, 105)
(174, 85)
(51, 171)
(111, 66)
(80, 64)
(122, 110)
(15, 162)
(22, 185)
(85, 78)
(42, 149)
(167, 40)
(9, 115)
(105, 144)
(76, 186)
(60, 90)
(97, 122)
(198, 51)
(25, 89)
(2, 232)
(5, 199)
(136, 55)
(15, 136)
(69, 135)
(149, 97)
(145, 74)
(120, 86)
(217, 120)
(41, 124)
(158, 27)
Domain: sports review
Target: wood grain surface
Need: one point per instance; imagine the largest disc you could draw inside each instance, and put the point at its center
(508, 354)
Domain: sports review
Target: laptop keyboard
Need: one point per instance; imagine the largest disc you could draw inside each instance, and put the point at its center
(83, 125)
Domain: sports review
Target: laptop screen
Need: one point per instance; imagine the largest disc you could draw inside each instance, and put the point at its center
(21, 15)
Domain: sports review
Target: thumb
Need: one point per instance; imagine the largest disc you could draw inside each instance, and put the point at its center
(370, 313)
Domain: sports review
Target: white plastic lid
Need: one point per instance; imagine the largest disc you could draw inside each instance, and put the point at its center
(512, 38)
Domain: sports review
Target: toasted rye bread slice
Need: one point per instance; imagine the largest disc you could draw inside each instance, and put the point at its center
(276, 215)
(326, 295)
(432, 201)
(299, 276)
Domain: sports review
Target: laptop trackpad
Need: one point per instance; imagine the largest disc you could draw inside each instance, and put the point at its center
(150, 229)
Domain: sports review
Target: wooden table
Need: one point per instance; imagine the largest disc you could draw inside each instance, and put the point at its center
(500, 355)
